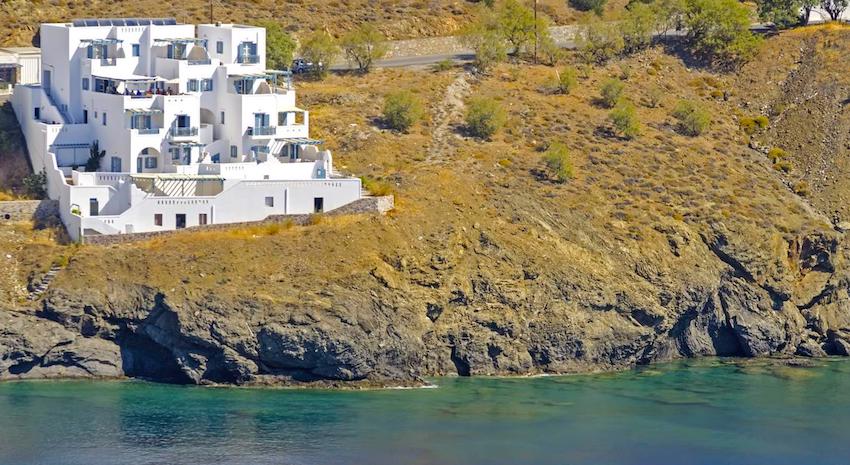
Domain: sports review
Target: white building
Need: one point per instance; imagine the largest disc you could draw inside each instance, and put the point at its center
(194, 128)
(19, 65)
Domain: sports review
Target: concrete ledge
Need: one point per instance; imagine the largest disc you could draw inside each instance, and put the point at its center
(365, 205)
(40, 212)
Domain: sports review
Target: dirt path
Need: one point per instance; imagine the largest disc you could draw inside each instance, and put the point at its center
(447, 118)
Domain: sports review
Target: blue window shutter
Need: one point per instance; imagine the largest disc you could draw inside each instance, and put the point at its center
(89, 52)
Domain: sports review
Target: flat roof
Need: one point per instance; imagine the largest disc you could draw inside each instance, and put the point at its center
(177, 176)
(95, 22)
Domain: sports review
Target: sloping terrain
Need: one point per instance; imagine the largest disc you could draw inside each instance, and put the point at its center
(662, 247)
(807, 97)
(397, 19)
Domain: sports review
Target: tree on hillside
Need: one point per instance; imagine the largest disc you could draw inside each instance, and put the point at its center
(670, 14)
(596, 6)
(834, 7)
(320, 49)
(363, 46)
(279, 45)
(401, 110)
(599, 41)
(485, 39)
(782, 13)
(638, 26)
(517, 24)
(719, 30)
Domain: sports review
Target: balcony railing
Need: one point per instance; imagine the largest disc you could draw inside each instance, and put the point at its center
(199, 62)
(148, 130)
(248, 59)
(262, 130)
(184, 132)
(108, 61)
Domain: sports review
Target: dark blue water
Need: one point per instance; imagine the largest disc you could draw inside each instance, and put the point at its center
(709, 412)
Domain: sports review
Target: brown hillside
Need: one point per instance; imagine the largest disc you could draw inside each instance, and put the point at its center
(398, 19)
(662, 247)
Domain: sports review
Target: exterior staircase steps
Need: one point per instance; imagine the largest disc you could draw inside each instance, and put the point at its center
(44, 284)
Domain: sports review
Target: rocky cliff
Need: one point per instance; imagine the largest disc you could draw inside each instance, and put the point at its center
(662, 247)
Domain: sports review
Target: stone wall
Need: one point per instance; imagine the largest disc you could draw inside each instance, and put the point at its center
(367, 205)
(40, 212)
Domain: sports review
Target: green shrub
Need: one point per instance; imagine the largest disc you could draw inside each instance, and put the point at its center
(375, 186)
(599, 41)
(484, 117)
(776, 154)
(444, 65)
(783, 165)
(557, 159)
(624, 118)
(401, 110)
(610, 92)
(693, 118)
(748, 125)
(655, 97)
(761, 121)
(596, 6)
(567, 79)
(35, 184)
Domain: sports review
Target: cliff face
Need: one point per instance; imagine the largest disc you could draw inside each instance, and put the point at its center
(660, 248)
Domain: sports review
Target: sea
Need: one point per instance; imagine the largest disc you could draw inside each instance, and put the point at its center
(695, 412)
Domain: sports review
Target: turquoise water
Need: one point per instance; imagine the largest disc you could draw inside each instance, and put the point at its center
(718, 412)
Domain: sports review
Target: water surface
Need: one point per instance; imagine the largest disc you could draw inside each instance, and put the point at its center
(696, 412)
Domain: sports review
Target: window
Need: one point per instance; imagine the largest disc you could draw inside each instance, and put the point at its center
(150, 163)
(175, 153)
(281, 118)
(93, 207)
(222, 117)
(135, 50)
(233, 152)
(202, 218)
(180, 220)
(219, 47)
(104, 118)
(270, 201)
(36, 113)
(193, 85)
(216, 158)
(206, 85)
(85, 117)
(157, 219)
(85, 83)
(318, 204)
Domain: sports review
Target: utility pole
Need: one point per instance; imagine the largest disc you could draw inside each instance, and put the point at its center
(536, 33)
(212, 20)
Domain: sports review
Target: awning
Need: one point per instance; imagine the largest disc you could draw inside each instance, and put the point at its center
(70, 146)
(302, 141)
(143, 111)
(130, 78)
(188, 40)
(178, 176)
(186, 144)
(107, 41)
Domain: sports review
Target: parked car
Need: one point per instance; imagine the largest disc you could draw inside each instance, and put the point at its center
(300, 65)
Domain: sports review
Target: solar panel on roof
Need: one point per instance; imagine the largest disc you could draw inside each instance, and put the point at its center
(132, 22)
(78, 23)
(170, 21)
(91, 22)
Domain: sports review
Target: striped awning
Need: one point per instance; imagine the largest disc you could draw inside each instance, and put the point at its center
(302, 141)
(188, 40)
(143, 111)
(186, 144)
(107, 41)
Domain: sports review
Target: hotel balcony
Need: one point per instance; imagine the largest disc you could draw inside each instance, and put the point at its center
(147, 131)
(183, 133)
(262, 132)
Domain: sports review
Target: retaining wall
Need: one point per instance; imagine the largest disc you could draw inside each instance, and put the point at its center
(379, 205)
(40, 212)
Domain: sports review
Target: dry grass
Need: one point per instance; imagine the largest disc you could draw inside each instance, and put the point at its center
(397, 19)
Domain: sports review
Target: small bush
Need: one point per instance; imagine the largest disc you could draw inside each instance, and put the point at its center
(761, 121)
(557, 159)
(444, 65)
(35, 184)
(596, 6)
(624, 118)
(401, 110)
(783, 165)
(775, 154)
(484, 117)
(567, 79)
(376, 187)
(801, 188)
(748, 125)
(693, 118)
(655, 97)
(610, 92)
